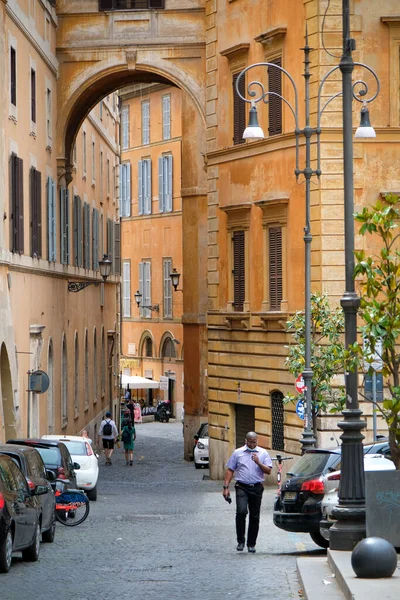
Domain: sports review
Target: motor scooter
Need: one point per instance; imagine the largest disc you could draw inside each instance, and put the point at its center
(163, 412)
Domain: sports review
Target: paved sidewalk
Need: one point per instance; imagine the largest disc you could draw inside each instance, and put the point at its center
(332, 578)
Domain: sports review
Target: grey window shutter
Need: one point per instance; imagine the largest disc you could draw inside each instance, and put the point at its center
(147, 287)
(140, 187)
(147, 187)
(35, 193)
(117, 248)
(122, 189)
(50, 219)
(168, 200)
(95, 239)
(17, 204)
(80, 233)
(76, 230)
(64, 226)
(54, 217)
(275, 268)
(274, 102)
(141, 287)
(86, 236)
(126, 276)
(167, 289)
(128, 189)
(238, 270)
(161, 184)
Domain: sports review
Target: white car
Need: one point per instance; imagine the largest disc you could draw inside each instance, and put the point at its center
(372, 462)
(200, 452)
(81, 451)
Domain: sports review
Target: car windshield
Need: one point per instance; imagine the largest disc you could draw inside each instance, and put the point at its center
(77, 448)
(204, 431)
(51, 456)
(313, 463)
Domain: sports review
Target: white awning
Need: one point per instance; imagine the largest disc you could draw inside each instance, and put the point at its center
(138, 383)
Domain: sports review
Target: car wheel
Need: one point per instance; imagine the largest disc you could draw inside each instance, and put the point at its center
(92, 494)
(6, 548)
(49, 535)
(31, 553)
(319, 540)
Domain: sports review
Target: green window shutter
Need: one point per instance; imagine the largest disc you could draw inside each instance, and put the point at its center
(95, 239)
(238, 270)
(76, 230)
(275, 103)
(275, 268)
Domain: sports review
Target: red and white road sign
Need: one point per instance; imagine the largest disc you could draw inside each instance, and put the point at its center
(299, 384)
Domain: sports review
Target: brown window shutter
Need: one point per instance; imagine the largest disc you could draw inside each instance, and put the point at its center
(239, 110)
(275, 268)
(35, 192)
(17, 204)
(239, 275)
(275, 103)
(106, 4)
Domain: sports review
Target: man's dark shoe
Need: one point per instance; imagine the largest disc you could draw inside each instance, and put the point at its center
(240, 547)
(251, 549)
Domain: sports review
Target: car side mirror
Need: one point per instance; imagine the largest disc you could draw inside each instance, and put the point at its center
(76, 465)
(50, 475)
(40, 490)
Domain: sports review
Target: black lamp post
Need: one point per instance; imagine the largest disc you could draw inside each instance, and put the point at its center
(175, 276)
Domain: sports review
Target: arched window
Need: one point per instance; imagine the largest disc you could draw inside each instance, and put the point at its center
(168, 349)
(148, 347)
(76, 375)
(95, 368)
(86, 374)
(64, 383)
(50, 391)
(277, 411)
(103, 363)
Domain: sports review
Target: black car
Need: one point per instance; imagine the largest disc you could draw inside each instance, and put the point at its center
(20, 514)
(32, 466)
(56, 458)
(298, 507)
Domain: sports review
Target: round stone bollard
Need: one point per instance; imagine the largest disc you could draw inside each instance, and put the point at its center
(373, 558)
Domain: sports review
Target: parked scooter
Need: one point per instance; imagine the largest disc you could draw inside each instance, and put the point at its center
(163, 412)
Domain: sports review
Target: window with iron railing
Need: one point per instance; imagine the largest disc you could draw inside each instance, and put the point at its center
(130, 4)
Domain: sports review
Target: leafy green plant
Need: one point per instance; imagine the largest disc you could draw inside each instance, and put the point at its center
(327, 354)
(379, 278)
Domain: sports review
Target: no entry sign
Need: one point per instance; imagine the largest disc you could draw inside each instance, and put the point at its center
(299, 384)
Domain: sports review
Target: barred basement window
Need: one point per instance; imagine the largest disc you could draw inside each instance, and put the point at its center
(277, 411)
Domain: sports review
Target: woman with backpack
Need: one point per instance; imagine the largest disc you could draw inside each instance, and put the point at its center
(128, 437)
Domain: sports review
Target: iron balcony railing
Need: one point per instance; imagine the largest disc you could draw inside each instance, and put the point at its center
(130, 4)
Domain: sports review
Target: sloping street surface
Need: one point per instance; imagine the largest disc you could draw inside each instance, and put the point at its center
(160, 530)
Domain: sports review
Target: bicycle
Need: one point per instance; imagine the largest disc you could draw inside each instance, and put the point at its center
(72, 506)
(279, 458)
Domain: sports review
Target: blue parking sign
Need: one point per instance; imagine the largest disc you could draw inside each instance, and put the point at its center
(300, 409)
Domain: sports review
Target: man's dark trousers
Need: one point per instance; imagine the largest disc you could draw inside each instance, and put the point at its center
(248, 496)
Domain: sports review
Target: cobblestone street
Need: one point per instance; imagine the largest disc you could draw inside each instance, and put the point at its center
(159, 531)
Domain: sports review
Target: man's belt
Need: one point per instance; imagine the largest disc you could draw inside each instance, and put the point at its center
(250, 485)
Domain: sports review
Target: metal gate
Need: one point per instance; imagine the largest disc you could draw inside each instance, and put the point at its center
(277, 411)
(245, 422)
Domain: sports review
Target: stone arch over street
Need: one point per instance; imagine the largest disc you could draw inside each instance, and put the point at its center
(93, 64)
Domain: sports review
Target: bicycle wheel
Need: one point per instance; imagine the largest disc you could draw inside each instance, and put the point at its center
(72, 508)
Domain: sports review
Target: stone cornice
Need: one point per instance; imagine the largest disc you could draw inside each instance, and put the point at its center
(392, 21)
(271, 36)
(236, 51)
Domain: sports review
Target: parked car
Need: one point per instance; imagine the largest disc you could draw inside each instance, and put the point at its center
(200, 450)
(32, 466)
(20, 514)
(56, 458)
(298, 507)
(372, 462)
(81, 451)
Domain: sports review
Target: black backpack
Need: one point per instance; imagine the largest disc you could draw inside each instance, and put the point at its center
(107, 429)
(126, 437)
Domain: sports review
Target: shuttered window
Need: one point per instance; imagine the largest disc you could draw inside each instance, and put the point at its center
(145, 288)
(13, 76)
(239, 110)
(125, 188)
(146, 122)
(275, 268)
(17, 204)
(86, 236)
(275, 103)
(167, 287)
(129, 4)
(95, 239)
(33, 95)
(165, 181)
(117, 248)
(238, 270)
(125, 128)
(64, 227)
(110, 243)
(126, 289)
(245, 422)
(144, 186)
(78, 231)
(166, 116)
(51, 220)
(35, 200)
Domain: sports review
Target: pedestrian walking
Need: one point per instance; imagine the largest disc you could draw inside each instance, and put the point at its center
(131, 407)
(109, 433)
(249, 464)
(128, 436)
